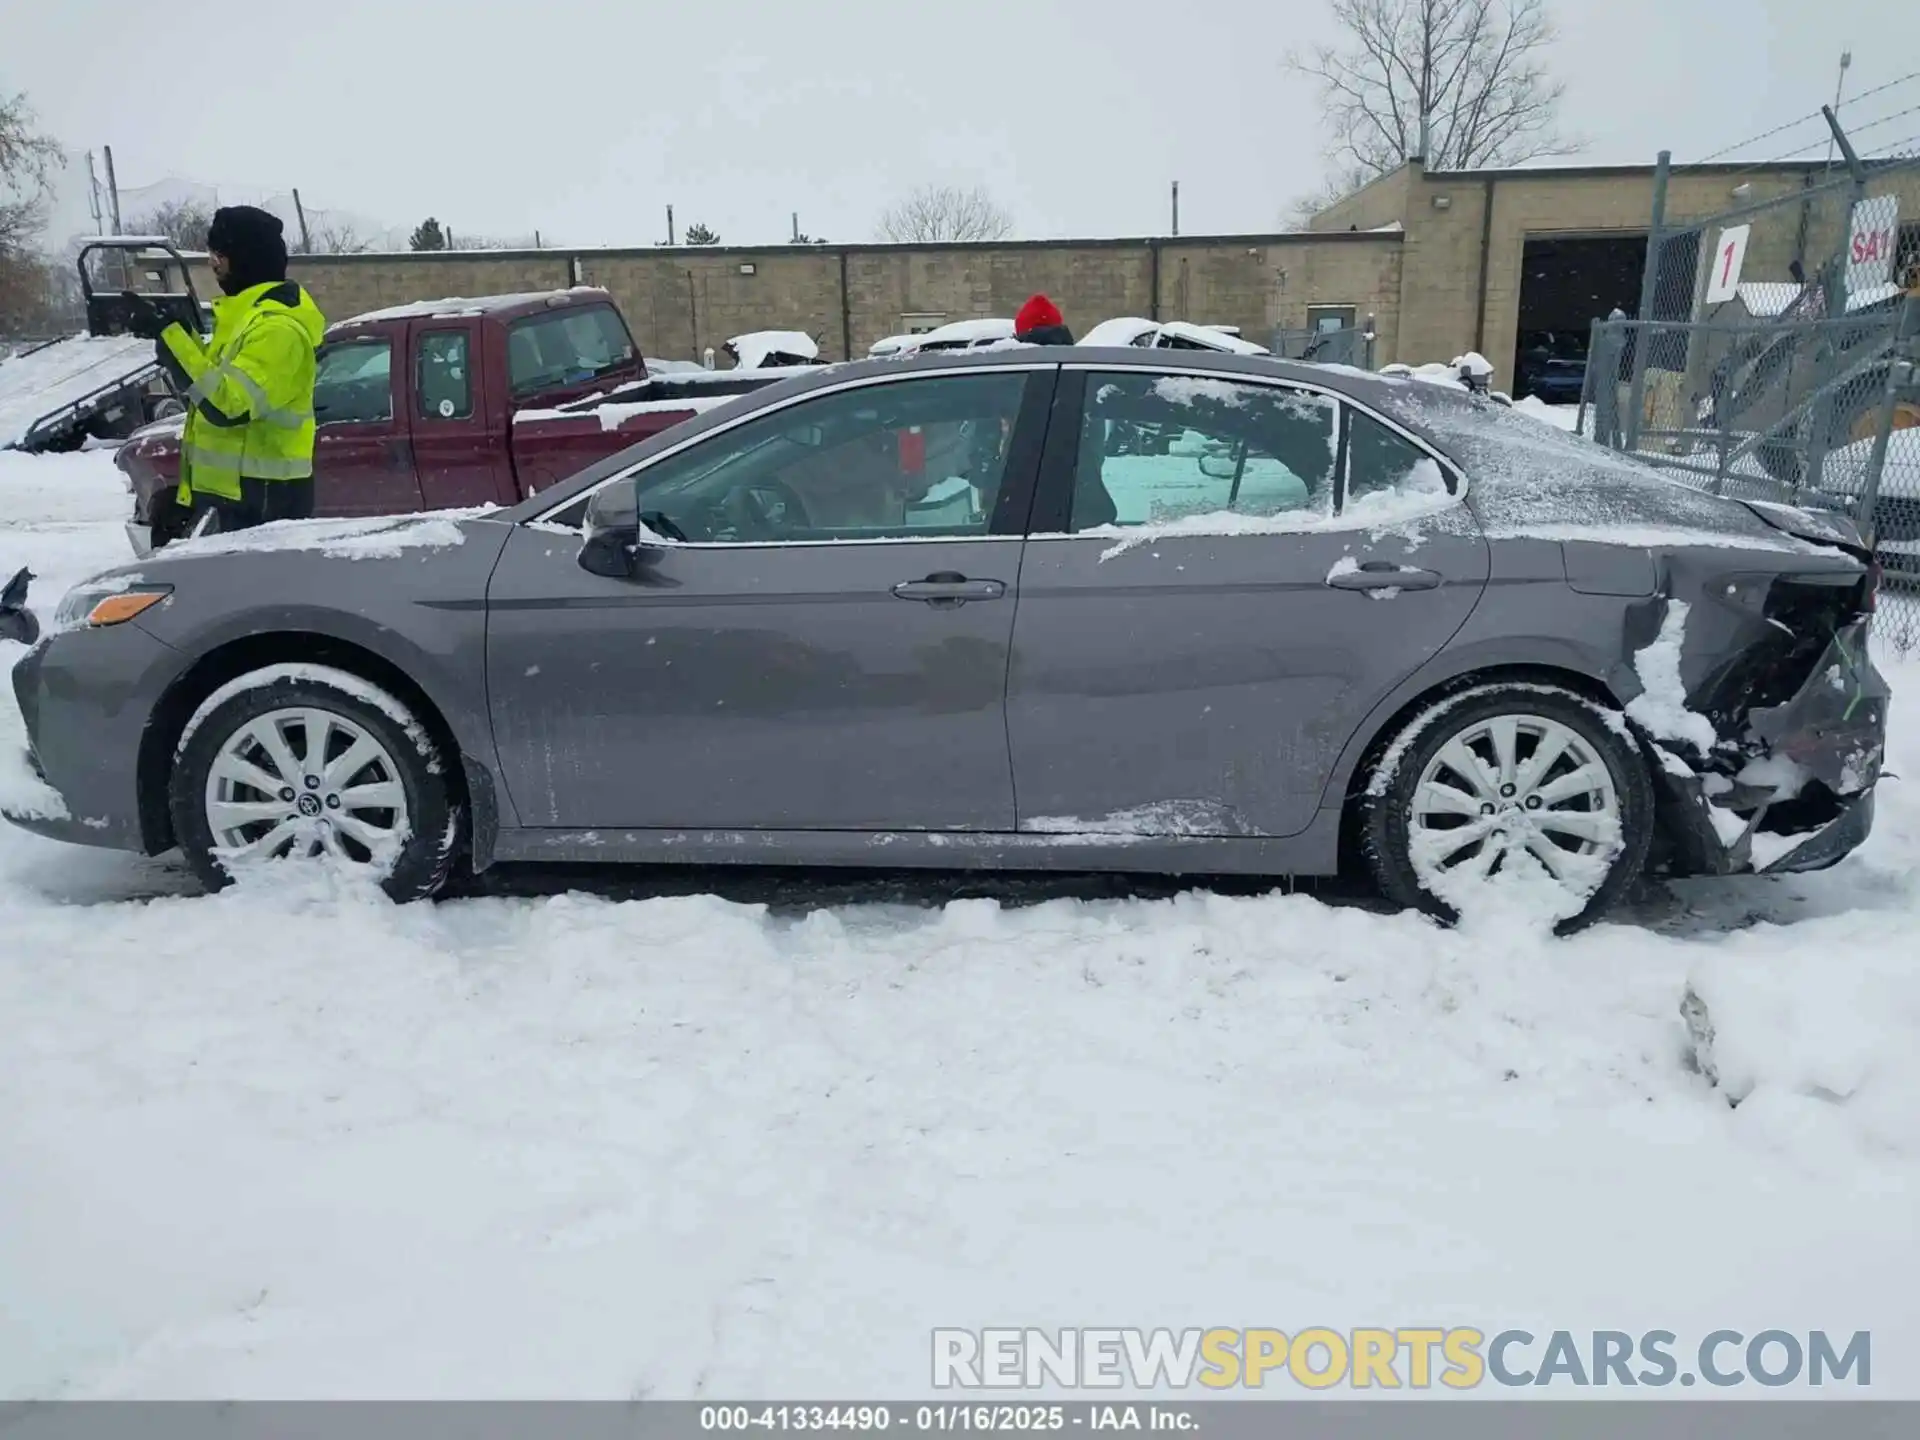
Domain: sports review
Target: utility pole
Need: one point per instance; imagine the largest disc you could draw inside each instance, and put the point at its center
(796, 227)
(113, 190)
(300, 212)
(1846, 63)
(1176, 207)
(669, 227)
(93, 197)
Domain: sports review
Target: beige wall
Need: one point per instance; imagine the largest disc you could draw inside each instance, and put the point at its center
(680, 301)
(1442, 306)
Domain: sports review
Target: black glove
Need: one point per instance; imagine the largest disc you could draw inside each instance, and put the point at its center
(143, 316)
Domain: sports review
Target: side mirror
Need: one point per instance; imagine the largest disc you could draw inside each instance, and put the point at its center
(614, 537)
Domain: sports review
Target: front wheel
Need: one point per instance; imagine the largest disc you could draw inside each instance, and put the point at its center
(304, 761)
(1509, 782)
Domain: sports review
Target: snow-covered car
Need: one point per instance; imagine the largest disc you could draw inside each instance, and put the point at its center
(947, 611)
(773, 350)
(954, 335)
(1132, 330)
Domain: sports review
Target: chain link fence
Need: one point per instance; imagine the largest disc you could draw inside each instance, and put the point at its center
(1816, 412)
(1773, 355)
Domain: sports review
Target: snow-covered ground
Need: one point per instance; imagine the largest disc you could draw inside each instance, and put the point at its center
(295, 1141)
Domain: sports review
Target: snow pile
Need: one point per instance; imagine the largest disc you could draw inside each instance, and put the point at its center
(1661, 709)
(293, 1141)
(753, 351)
(1801, 1039)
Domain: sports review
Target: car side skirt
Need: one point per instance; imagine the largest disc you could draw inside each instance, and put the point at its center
(1314, 851)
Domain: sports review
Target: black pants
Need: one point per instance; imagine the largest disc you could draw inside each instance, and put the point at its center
(260, 501)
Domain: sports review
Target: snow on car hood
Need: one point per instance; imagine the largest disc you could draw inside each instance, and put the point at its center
(1529, 480)
(380, 537)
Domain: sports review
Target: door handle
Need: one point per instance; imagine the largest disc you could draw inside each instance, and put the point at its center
(945, 587)
(1384, 575)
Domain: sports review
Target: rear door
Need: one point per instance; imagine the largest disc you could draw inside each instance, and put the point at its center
(1220, 585)
(362, 452)
(459, 438)
(824, 644)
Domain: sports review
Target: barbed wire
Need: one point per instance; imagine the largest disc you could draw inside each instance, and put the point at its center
(1802, 120)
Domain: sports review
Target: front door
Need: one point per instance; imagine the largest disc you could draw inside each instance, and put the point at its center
(1205, 614)
(362, 457)
(819, 642)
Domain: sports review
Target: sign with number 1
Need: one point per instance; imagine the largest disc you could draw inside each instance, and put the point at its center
(1729, 253)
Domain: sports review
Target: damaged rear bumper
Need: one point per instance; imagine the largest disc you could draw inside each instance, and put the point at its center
(1830, 737)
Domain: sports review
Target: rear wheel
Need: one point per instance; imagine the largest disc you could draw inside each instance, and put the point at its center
(300, 762)
(1509, 782)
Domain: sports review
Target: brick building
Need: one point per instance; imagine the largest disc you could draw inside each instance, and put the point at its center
(1444, 261)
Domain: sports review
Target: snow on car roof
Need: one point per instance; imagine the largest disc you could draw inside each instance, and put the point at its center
(1211, 337)
(753, 348)
(969, 332)
(460, 305)
(1119, 332)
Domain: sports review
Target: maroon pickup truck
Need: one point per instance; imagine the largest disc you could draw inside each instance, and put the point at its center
(447, 404)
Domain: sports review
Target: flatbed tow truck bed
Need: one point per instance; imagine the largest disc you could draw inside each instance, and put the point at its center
(62, 383)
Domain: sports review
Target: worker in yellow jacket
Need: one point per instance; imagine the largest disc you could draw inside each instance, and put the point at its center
(247, 455)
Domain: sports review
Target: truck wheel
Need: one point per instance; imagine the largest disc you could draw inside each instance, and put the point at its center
(305, 761)
(1509, 775)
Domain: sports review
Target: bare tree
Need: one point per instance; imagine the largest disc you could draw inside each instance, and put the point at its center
(27, 162)
(184, 222)
(1459, 83)
(937, 214)
(339, 237)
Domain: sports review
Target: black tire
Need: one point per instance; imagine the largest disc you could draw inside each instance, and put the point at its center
(1387, 799)
(425, 860)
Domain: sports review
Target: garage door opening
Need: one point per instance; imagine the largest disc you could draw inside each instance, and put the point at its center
(1566, 283)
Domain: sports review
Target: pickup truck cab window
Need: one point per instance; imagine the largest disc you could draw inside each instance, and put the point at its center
(443, 378)
(566, 347)
(353, 381)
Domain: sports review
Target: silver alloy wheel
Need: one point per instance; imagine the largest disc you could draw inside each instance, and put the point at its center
(1510, 785)
(305, 782)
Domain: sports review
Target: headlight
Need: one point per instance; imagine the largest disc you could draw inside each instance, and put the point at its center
(93, 606)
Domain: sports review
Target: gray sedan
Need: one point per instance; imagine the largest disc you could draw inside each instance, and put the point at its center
(1124, 610)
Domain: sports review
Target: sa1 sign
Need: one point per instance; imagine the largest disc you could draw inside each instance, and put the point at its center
(1729, 254)
(1871, 241)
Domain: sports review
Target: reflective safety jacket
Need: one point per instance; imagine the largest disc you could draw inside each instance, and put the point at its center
(248, 389)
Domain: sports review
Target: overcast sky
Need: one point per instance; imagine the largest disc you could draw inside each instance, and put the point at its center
(584, 118)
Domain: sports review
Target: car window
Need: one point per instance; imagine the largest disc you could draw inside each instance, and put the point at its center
(919, 457)
(566, 347)
(1155, 448)
(1381, 462)
(353, 382)
(442, 381)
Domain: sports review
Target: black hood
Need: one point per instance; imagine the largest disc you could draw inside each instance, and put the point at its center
(254, 242)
